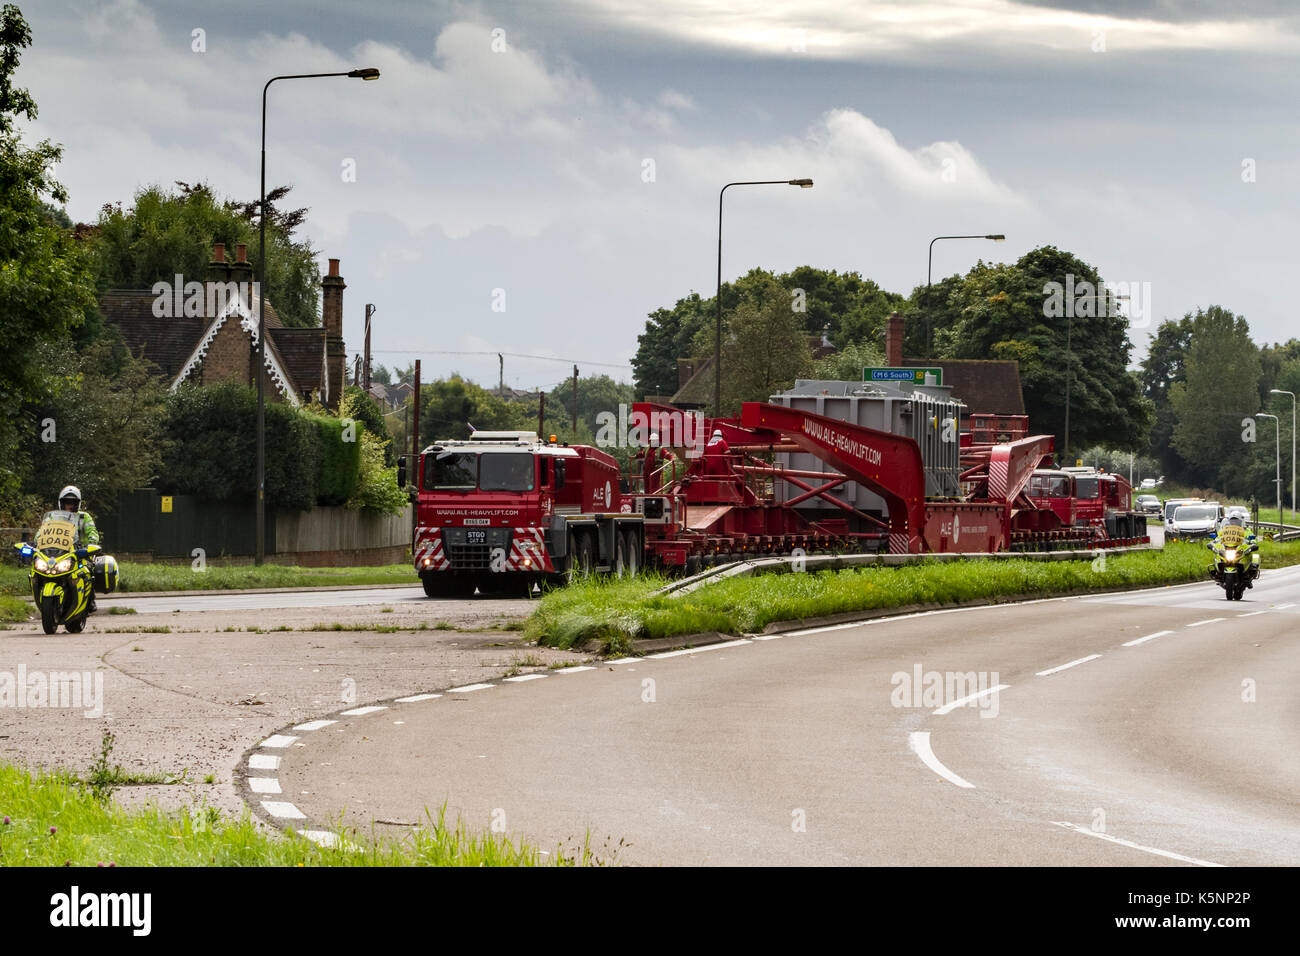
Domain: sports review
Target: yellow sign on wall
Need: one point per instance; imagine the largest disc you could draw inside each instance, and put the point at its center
(167, 504)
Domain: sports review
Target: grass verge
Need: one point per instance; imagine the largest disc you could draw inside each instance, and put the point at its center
(14, 610)
(46, 820)
(166, 577)
(616, 613)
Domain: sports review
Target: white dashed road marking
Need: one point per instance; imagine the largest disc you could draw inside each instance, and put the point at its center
(1081, 660)
(963, 701)
(470, 687)
(574, 670)
(263, 762)
(263, 784)
(417, 698)
(277, 741)
(1149, 637)
(283, 810)
(525, 677)
(315, 724)
(1133, 846)
(360, 711)
(1212, 620)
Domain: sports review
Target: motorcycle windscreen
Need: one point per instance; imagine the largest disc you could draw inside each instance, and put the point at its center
(58, 530)
(1230, 536)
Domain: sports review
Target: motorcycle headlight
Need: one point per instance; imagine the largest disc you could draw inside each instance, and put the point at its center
(1230, 554)
(40, 564)
(64, 566)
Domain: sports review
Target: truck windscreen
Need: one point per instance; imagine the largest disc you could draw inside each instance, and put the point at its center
(1086, 488)
(450, 471)
(510, 471)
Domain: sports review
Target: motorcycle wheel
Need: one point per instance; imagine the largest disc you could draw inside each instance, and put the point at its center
(49, 615)
(75, 626)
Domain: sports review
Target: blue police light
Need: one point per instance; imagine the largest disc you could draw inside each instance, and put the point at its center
(26, 551)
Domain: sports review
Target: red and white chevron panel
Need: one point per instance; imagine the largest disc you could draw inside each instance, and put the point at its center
(428, 544)
(998, 479)
(528, 543)
(898, 544)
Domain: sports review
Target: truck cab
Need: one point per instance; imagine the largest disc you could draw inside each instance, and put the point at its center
(502, 511)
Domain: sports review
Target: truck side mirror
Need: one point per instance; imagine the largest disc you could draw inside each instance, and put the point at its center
(401, 472)
(559, 474)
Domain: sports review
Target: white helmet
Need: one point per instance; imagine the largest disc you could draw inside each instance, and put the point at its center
(71, 491)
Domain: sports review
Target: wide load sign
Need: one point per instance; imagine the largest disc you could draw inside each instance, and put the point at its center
(58, 530)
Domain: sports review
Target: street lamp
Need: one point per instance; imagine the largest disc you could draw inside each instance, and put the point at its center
(929, 345)
(717, 332)
(1069, 363)
(1278, 480)
(1282, 391)
(367, 73)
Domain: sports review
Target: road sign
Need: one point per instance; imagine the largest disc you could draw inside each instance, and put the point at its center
(166, 504)
(912, 376)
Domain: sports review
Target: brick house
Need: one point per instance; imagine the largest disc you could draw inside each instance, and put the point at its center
(210, 335)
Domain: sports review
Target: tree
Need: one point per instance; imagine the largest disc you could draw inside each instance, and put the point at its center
(1029, 311)
(99, 428)
(667, 337)
(847, 364)
(1215, 405)
(167, 233)
(46, 285)
(448, 407)
(379, 375)
(765, 347)
(357, 404)
(1164, 366)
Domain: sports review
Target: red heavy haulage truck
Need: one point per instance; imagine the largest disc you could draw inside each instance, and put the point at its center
(502, 511)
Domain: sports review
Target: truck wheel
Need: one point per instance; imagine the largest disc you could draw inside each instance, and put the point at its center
(620, 555)
(578, 563)
(441, 584)
(631, 553)
(49, 615)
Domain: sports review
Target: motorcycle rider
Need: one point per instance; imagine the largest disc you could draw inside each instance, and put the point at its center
(87, 533)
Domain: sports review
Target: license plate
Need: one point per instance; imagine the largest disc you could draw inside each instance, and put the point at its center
(476, 537)
(484, 521)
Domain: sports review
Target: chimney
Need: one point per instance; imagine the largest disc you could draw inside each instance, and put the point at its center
(894, 341)
(332, 287)
(218, 268)
(241, 272)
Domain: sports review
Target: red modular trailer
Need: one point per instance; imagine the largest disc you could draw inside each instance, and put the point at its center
(504, 510)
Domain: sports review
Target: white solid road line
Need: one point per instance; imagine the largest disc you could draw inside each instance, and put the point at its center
(417, 698)
(470, 687)
(1149, 637)
(1134, 846)
(1211, 620)
(1283, 607)
(698, 650)
(1253, 613)
(362, 711)
(523, 677)
(919, 741)
(1054, 670)
(315, 724)
(963, 701)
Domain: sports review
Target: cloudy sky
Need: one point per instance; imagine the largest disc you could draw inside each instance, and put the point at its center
(569, 153)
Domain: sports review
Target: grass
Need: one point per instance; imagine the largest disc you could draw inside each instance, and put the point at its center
(48, 820)
(615, 613)
(167, 577)
(121, 610)
(14, 610)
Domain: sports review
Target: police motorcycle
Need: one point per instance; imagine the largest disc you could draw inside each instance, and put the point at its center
(63, 577)
(1236, 560)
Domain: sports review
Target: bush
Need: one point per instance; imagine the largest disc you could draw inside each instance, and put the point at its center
(340, 462)
(212, 452)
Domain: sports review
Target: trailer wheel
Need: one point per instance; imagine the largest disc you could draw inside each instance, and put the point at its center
(578, 564)
(631, 553)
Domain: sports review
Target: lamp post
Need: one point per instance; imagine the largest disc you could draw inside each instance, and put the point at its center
(1282, 391)
(1277, 423)
(717, 332)
(368, 73)
(929, 345)
(1069, 365)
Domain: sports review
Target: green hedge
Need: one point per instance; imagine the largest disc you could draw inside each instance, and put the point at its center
(210, 447)
(340, 463)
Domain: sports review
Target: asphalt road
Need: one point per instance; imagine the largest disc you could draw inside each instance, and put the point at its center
(1169, 749)
(275, 600)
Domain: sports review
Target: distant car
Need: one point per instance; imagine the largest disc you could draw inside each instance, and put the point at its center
(1148, 483)
(1148, 504)
(1192, 521)
(1171, 505)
